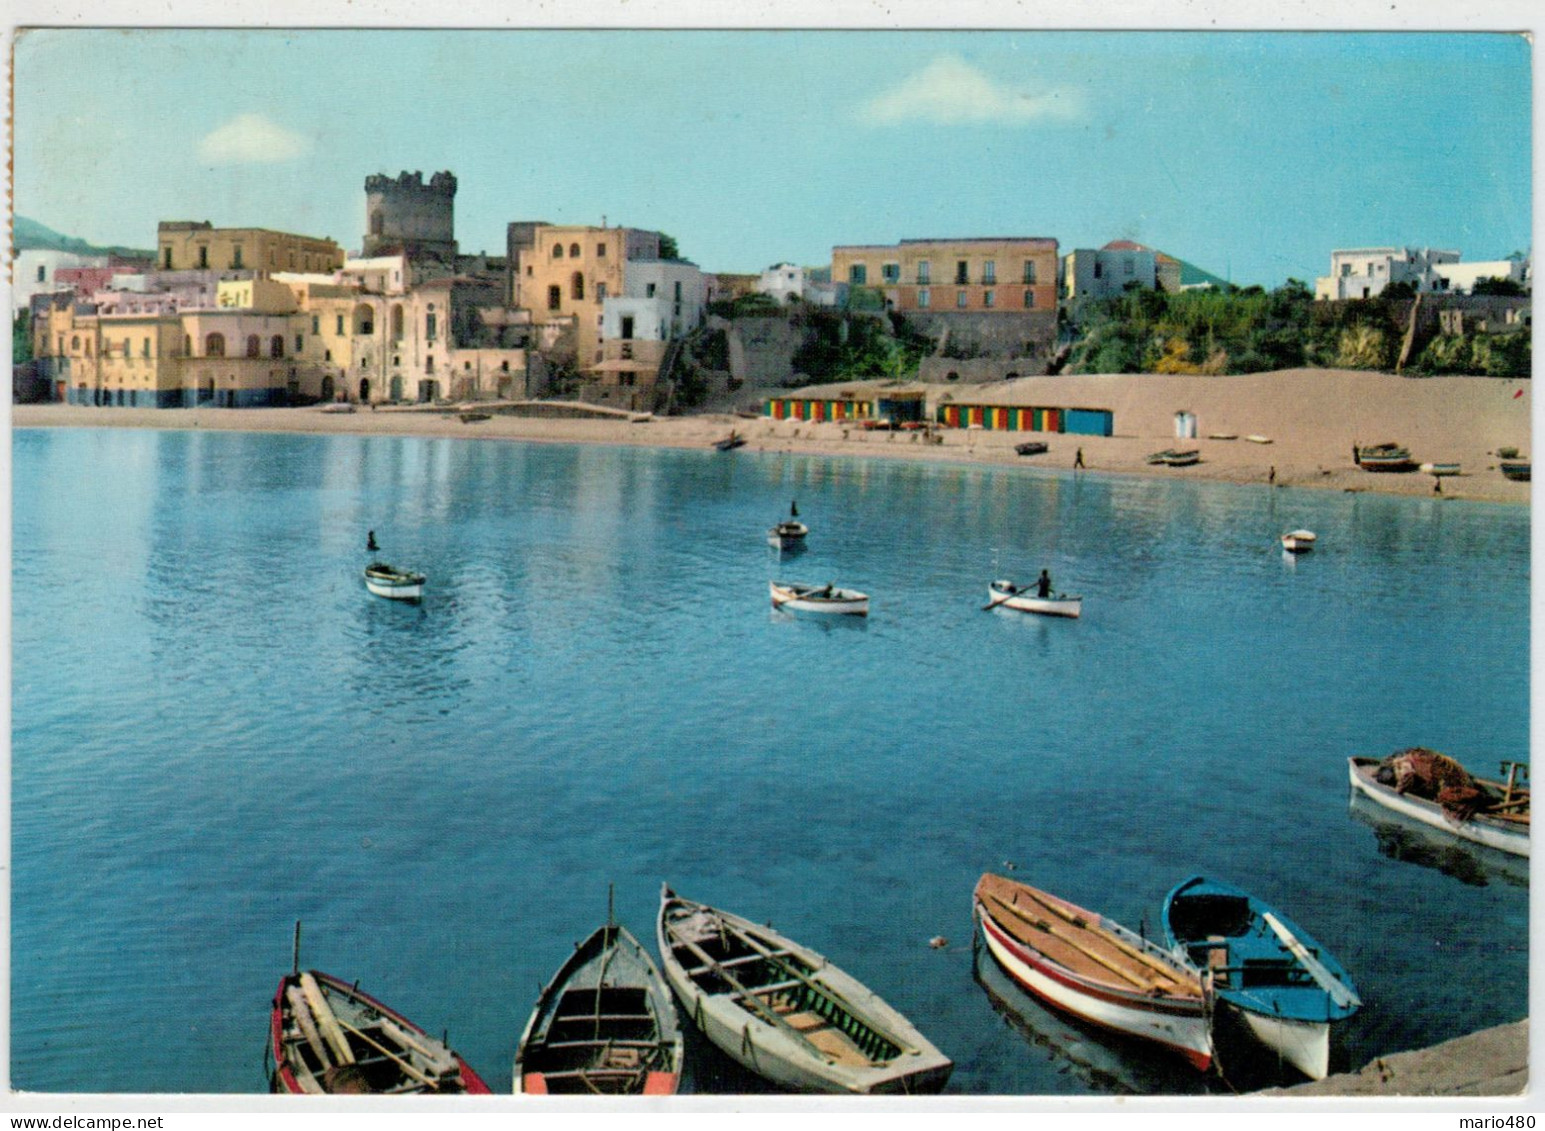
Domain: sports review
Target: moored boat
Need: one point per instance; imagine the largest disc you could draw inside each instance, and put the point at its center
(1092, 967)
(1495, 814)
(800, 597)
(1298, 541)
(604, 1025)
(1515, 469)
(787, 1013)
(1287, 989)
(1385, 457)
(392, 583)
(1032, 448)
(326, 1036)
(1004, 593)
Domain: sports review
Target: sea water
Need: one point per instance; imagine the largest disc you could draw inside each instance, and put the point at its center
(217, 732)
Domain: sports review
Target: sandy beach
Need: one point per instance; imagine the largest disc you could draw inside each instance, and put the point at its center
(1311, 417)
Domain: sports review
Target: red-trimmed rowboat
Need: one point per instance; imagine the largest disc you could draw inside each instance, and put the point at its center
(1093, 968)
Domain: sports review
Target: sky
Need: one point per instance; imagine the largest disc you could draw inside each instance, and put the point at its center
(1251, 155)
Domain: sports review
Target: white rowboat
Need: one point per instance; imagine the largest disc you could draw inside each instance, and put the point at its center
(799, 597)
(1006, 594)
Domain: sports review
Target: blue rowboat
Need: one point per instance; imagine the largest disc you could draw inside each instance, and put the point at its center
(1286, 988)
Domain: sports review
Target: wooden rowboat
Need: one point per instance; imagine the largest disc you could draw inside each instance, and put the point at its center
(1502, 823)
(604, 1025)
(394, 584)
(800, 597)
(1093, 968)
(1005, 594)
(1286, 988)
(785, 1012)
(1298, 541)
(326, 1036)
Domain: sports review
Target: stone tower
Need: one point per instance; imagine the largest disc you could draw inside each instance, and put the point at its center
(403, 213)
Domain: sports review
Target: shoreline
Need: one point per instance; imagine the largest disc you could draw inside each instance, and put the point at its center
(1312, 417)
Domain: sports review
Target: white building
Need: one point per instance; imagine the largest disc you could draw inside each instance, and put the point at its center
(1365, 272)
(32, 273)
(1101, 273)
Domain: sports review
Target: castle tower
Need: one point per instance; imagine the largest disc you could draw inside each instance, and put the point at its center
(403, 213)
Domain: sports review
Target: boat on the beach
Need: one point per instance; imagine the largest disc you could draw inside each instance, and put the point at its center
(731, 442)
(1286, 988)
(797, 596)
(787, 1013)
(1172, 458)
(1006, 594)
(1439, 469)
(1437, 791)
(1298, 541)
(1515, 469)
(1385, 457)
(393, 583)
(1032, 448)
(604, 1025)
(326, 1036)
(1092, 967)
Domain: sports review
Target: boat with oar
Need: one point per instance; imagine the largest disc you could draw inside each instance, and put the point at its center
(1094, 968)
(1026, 599)
(605, 1025)
(1515, 469)
(1032, 448)
(1298, 541)
(392, 583)
(1439, 792)
(326, 1036)
(787, 1013)
(1385, 457)
(789, 533)
(797, 596)
(1287, 989)
(731, 442)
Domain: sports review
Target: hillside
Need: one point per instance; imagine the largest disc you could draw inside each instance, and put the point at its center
(28, 234)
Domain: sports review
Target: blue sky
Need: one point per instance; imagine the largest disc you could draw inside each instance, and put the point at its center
(1252, 155)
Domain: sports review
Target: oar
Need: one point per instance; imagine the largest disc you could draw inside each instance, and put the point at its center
(1338, 990)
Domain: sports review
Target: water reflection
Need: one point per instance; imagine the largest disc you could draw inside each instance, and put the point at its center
(1411, 842)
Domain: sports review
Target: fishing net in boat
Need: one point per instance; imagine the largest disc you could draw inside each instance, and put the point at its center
(1434, 777)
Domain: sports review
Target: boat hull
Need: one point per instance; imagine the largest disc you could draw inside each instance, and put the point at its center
(1479, 829)
(803, 599)
(773, 1052)
(1058, 606)
(1180, 1028)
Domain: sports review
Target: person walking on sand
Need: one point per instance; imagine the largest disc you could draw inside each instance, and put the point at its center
(1078, 458)
(1043, 585)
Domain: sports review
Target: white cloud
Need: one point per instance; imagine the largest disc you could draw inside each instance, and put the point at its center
(251, 139)
(951, 92)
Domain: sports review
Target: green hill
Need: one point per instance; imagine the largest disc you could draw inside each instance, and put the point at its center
(28, 235)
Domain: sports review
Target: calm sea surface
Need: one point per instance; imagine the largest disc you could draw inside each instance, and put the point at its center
(217, 731)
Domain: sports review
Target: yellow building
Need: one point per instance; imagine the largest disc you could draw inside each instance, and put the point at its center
(189, 245)
(969, 276)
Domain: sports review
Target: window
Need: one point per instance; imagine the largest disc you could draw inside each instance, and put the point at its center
(890, 272)
(858, 275)
(989, 298)
(922, 271)
(960, 299)
(990, 271)
(573, 251)
(252, 345)
(1029, 271)
(554, 297)
(962, 275)
(922, 298)
(649, 290)
(1029, 299)
(577, 287)
(557, 251)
